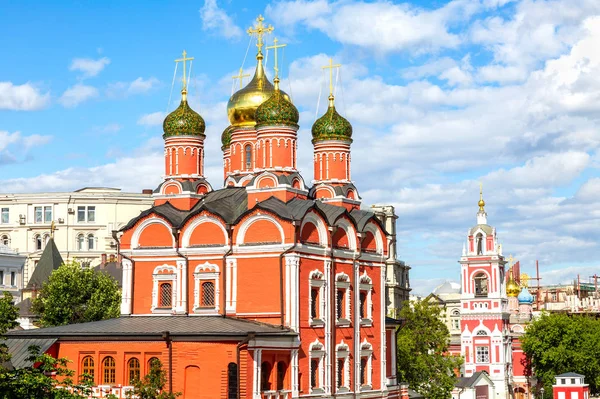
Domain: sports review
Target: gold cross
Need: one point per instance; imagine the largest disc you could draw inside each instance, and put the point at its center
(330, 67)
(241, 77)
(52, 229)
(275, 46)
(510, 260)
(260, 30)
(184, 59)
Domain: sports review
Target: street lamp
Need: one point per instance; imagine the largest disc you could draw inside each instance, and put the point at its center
(542, 392)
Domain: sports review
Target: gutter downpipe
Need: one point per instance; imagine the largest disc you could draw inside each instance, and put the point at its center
(281, 255)
(332, 312)
(169, 341)
(114, 236)
(356, 323)
(224, 262)
(176, 233)
(251, 335)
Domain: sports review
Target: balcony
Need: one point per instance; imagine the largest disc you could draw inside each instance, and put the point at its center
(281, 394)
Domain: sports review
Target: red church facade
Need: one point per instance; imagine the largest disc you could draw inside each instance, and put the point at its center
(266, 288)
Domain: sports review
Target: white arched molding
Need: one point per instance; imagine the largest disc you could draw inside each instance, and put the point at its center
(312, 217)
(366, 355)
(187, 234)
(244, 180)
(263, 176)
(350, 232)
(327, 188)
(365, 288)
(230, 180)
(163, 189)
(316, 354)
(342, 286)
(241, 236)
(135, 239)
(316, 298)
(206, 273)
(163, 274)
(376, 231)
(342, 366)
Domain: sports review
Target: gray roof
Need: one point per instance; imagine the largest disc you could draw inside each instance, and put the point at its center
(447, 288)
(487, 229)
(570, 374)
(469, 382)
(19, 349)
(49, 261)
(145, 327)
(24, 308)
(113, 269)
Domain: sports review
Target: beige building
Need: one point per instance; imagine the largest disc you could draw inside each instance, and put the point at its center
(447, 296)
(83, 220)
(11, 272)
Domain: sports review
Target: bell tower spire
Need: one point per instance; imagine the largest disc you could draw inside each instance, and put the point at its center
(481, 215)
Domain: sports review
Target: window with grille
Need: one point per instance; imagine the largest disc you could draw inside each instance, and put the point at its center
(362, 304)
(87, 367)
(208, 294)
(133, 369)
(232, 381)
(248, 151)
(109, 371)
(340, 372)
(314, 302)
(265, 376)
(339, 309)
(314, 372)
(281, 369)
(166, 295)
(363, 370)
(483, 354)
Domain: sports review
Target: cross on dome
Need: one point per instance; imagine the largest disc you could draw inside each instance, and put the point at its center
(260, 30)
(275, 46)
(330, 67)
(183, 59)
(241, 77)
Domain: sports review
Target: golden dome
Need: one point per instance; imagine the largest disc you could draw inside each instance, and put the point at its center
(512, 288)
(243, 104)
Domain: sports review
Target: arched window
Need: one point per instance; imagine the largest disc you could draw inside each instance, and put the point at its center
(46, 239)
(133, 370)
(265, 375)
(38, 242)
(166, 295)
(90, 239)
(208, 294)
(80, 241)
(481, 284)
(362, 304)
(248, 153)
(87, 368)
(281, 369)
(479, 244)
(5, 240)
(109, 371)
(232, 384)
(363, 370)
(153, 361)
(481, 333)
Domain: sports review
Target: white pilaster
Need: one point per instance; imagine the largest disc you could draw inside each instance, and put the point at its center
(126, 287)
(256, 377)
(294, 376)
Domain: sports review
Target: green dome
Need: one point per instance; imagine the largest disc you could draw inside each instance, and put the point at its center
(331, 126)
(184, 121)
(277, 111)
(226, 137)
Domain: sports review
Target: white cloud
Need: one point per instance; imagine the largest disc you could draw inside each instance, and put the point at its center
(152, 119)
(89, 66)
(138, 86)
(77, 94)
(25, 97)
(14, 146)
(216, 19)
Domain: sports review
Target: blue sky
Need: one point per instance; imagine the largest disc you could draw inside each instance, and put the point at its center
(441, 95)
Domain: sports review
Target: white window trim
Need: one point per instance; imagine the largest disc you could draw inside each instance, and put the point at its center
(366, 350)
(342, 281)
(43, 221)
(366, 284)
(316, 350)
(158, 278)
(477, 355)
(86, 209)
(2, 214)
(203, 272)
(316, 279)
(342, 351)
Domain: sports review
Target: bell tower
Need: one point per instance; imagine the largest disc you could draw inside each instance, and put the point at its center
(485, 340)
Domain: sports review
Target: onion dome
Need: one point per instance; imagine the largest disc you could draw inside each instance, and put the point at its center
(525, 297)
(277, 111)
(331, 126)
(512, 288)
(242, 105)
(184, 121)
(226, 137)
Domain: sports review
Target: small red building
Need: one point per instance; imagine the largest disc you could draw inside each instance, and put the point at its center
(570, 386)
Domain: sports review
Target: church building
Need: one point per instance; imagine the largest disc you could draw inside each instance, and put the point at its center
(270, 287)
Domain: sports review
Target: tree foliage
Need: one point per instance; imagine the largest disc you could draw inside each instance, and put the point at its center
(152, 385)
(559, 343)
(423, 359)
(8, 321)
(77, 295)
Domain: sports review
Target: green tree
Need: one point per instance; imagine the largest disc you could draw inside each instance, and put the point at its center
(8, 321)
(152, 385)
(559, 343)
(423, 359)
(77, 295)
